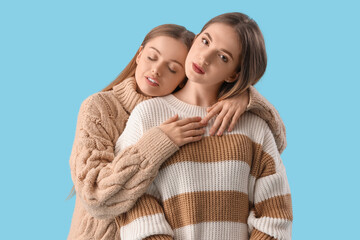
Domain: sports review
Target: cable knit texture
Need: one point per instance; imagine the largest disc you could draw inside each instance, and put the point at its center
(263, 108)
(105, 185)
(229, 187)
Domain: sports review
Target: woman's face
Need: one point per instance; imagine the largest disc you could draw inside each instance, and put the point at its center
(160, 66)
(214, 56)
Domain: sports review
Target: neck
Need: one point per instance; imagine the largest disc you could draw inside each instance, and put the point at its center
(198, 94)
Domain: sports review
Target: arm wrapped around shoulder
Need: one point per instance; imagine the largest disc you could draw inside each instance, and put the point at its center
(265, 110)
(109, 185)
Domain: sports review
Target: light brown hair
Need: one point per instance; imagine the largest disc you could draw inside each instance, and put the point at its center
(170, 30)
(253, 59)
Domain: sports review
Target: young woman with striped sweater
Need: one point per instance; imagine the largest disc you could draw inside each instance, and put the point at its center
(229, 187)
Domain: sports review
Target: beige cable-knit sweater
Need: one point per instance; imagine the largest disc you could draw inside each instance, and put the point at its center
(107, 186)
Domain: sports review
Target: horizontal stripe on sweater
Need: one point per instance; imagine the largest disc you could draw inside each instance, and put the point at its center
(213, 230)
(275, 227)
(146, 226)
(229, 147)
(276, 207)
(199, 177)
(271, 186)
(198, 207)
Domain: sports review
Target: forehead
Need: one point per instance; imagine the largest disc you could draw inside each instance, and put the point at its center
(167, 47)
(224, 36)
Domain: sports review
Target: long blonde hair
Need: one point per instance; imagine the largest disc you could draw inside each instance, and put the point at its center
(253, 58)
(170, 30)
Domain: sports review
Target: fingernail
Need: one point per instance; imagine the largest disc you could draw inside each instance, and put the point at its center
(229, 130)
(219, 133)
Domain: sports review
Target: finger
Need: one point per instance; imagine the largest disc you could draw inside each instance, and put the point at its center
(212, 107)
(235, 118)
(172, 119)
(211, 114)
(192, 139)
(217, 122)
(194, 133)
(185, 121)
(225, 122)
(191, 126)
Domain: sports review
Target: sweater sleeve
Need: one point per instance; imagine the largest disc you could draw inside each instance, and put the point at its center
(109, 185)
(265, 110)
(146, 220)
(271, 212)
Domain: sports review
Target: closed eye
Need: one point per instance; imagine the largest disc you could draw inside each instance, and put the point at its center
(171, 70)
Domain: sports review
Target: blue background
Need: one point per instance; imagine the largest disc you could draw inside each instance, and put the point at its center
(55, 54)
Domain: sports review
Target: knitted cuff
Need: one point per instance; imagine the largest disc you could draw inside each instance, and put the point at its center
(156, 147)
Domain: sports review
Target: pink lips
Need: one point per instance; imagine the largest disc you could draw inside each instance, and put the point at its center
(197, 68)
(153, 83)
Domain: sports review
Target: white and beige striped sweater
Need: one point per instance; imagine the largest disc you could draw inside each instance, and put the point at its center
(229, 187)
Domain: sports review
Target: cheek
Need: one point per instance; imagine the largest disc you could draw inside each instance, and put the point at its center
(172, 82)
(190, 55)
(187, 70)
(137, 77)
(144, 63)
(139, 72)
(141, 63)
(188, 63)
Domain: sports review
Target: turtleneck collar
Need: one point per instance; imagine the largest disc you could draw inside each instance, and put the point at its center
(127, 94)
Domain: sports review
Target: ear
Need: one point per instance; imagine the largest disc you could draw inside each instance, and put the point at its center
(138, 56)
(232, 78)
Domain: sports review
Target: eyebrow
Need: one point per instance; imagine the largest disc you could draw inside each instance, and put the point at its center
(173, 60)
(222, 49)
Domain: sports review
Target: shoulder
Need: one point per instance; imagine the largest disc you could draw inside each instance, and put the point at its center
(254, 122)
(101, 104)
(258, 132)
(151, 106)
(262, 107)
(151, 113)
(253, 127)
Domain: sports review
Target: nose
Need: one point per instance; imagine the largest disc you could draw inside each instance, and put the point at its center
(155, 70)
(205, 57)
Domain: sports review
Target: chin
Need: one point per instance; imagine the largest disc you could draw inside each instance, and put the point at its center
(144, 91)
